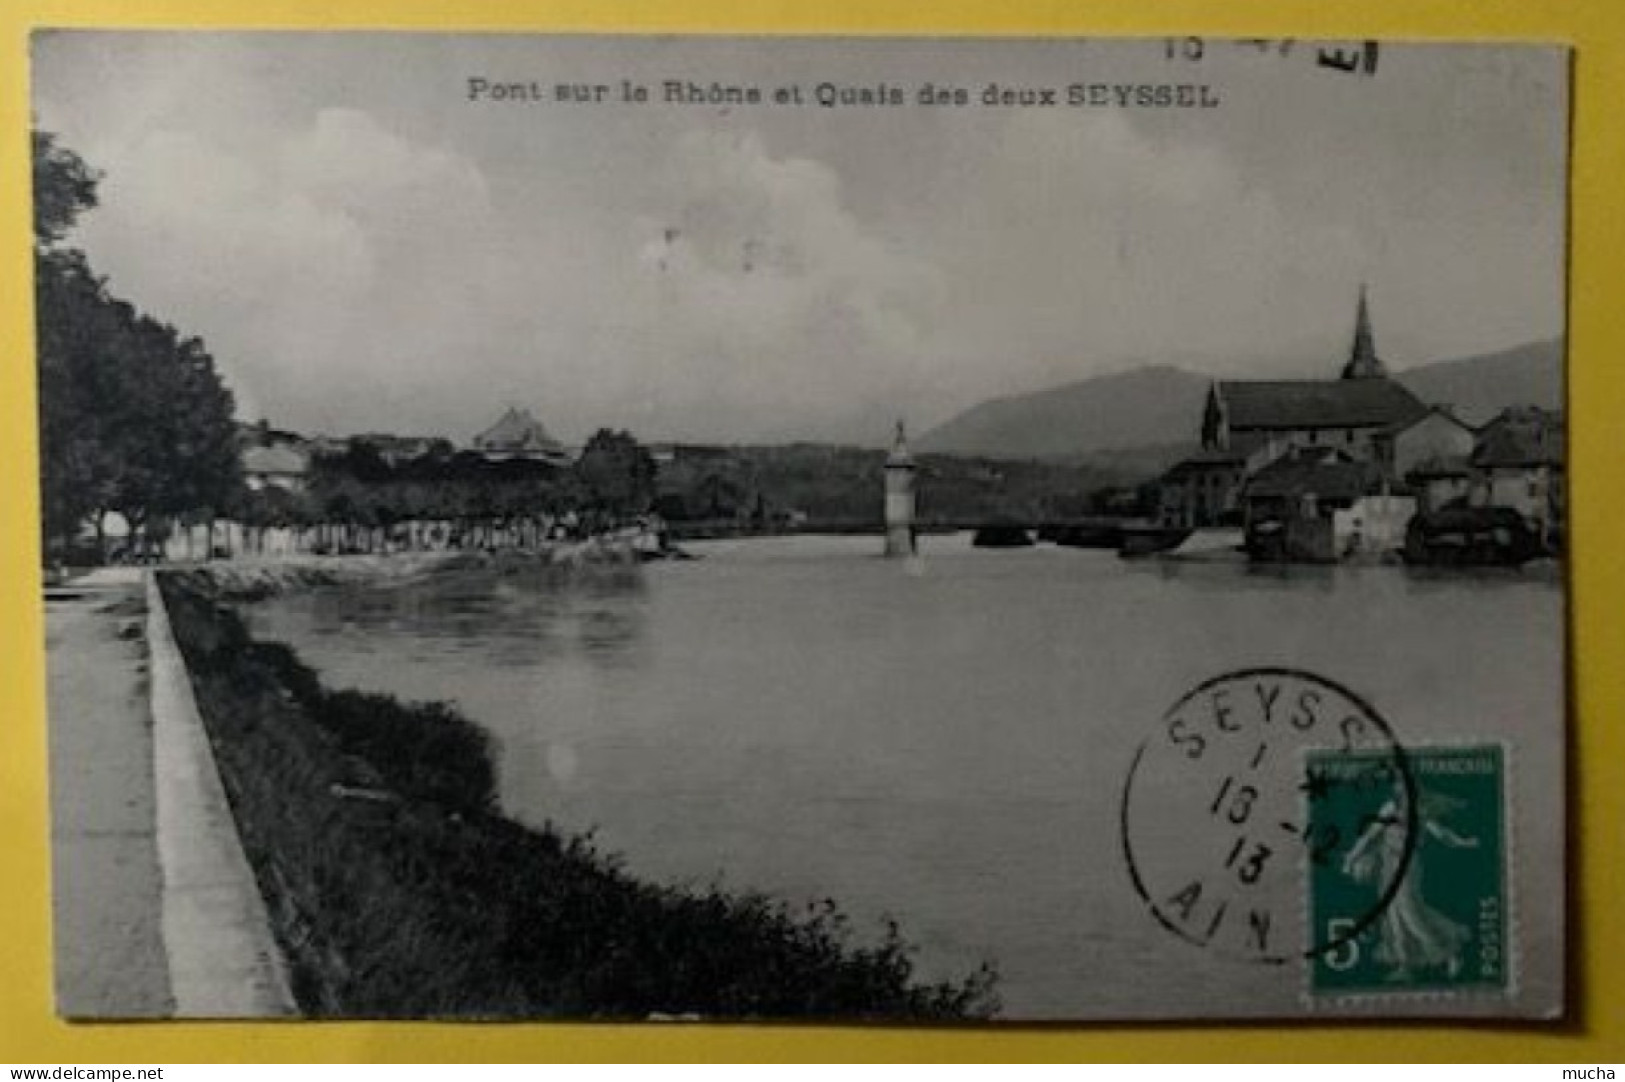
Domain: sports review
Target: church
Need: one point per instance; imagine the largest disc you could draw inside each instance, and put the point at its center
(1249, 426)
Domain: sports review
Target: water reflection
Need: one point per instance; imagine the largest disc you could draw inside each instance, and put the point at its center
(505, 618)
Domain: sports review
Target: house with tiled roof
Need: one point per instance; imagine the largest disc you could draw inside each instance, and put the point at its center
(273, 458)
(1520, 461)
(1436, 434)
(1204, 489)
(1321, 504)
(278, 465)
(1441, 481)
(1522, 437)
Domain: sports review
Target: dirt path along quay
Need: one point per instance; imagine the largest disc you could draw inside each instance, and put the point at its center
(107, 888)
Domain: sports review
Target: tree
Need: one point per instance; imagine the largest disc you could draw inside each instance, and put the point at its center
(64, 188)
(617, 475)
(134, 418)
(172, 423)
(77, 464)
(73, 462)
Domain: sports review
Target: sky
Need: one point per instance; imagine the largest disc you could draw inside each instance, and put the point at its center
(364, 248)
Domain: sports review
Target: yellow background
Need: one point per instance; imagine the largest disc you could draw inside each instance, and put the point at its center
(1596, 1031)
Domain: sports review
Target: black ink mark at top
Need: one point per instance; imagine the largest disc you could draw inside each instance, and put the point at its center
(1358, 59)
(1279, 46)
(1361, 61)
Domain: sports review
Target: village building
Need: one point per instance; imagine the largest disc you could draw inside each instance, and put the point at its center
(518, 434)
(1435, 436)
(1249, 424)
(1322, 504)
(276, 466)
(273, 458)
(1203, 490)
(1441, 481)
(1519, 463)
(1358, 467)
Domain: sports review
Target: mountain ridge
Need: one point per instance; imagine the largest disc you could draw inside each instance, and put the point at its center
(1161, 404)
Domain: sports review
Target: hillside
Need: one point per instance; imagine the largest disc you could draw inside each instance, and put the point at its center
(1162, 405)
(1477, 388)
(1158, 404)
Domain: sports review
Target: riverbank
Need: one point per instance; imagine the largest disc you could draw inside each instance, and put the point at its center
(255, 578)
(251, 579)
(395, 888)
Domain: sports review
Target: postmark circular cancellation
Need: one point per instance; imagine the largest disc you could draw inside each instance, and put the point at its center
(1250, 781)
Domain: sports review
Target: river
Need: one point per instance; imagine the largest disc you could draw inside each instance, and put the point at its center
(942, 740)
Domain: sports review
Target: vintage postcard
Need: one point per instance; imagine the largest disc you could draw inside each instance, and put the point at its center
(803, 528)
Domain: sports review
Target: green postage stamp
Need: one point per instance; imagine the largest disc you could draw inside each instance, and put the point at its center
(1443, 927)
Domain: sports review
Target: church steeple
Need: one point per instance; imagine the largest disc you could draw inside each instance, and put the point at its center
(1363, 362)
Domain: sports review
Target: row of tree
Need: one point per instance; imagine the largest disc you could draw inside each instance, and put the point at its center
(136, 421)
(612, 482)
(134, 417)
(828, 486)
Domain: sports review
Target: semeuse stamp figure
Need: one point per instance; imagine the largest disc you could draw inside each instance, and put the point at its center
(1445, 928)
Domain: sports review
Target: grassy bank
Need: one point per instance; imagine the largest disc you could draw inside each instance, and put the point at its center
(396, 889)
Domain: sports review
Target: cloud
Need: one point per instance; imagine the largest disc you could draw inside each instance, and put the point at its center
(772, 296)
(730, 294)
(349, 277)
(312, 264)
(369, 253)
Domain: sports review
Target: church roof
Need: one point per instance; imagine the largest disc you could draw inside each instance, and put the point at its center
(1442, 410)
(516, 430)
(1311, 403)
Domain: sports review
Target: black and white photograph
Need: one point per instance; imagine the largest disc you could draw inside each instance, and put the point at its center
(832, 529)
